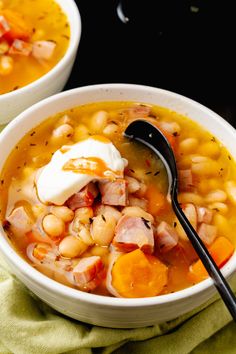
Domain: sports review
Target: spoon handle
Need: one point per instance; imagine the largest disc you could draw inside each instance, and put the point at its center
(221, 284)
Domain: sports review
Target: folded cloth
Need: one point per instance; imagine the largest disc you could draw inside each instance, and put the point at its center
(28, 326)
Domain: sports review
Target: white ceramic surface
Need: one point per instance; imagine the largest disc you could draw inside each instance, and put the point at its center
(94, 309)
(12, 103)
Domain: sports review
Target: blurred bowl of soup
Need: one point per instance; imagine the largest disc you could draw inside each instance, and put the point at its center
(38, 46)
(104, 274)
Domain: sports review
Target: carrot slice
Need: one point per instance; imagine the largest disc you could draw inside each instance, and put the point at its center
(221, 250)
(18, 27)
(138, 275)
(156, 200)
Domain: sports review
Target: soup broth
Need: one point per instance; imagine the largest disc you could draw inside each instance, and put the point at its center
(30, 49)
(117, 235)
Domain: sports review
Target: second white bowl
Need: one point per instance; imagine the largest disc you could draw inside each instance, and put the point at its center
(12, 103)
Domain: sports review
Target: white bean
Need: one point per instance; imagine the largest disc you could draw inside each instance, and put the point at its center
(80, 132)
(137, 211)
(43, 268)
(199, 158)
(222, 225)
(85, 236)
(41, 159)
(170, 127)
(133, 184)
(218, 206)
(27, 171)
(84, 214)
(4, 47)
(63, 131)
(138, 173)
(65, 120)
(184, 162)
(103, 229)
(205, 185)
(230, 187)
(71, 247)
(100, 251)
(53, 225)
(180, 231)
(63, 212)
(109, 211)
(99, 121)
(110, 129)
(139, 202)
(141, 192)
(210, 149)
(206, 168)
(190, 198)
(39, 209)
(188, 145)
(216, 195)
(6, 65)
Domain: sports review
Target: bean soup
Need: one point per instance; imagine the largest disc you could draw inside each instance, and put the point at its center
(88, 207)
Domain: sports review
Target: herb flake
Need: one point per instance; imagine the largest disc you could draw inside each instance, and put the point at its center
(146, 223)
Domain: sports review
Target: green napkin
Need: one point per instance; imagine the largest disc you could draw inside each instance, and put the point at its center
(28, 326)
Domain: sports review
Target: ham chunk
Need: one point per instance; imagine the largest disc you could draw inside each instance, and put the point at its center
(83, 198)
(166, 237)
(43, 49)
(20, 47)
(134, 232)
(207, 233)
(88, 273)
(4, 26)
(20, 221)
(185, 180)
(204, 215)
(114, 193)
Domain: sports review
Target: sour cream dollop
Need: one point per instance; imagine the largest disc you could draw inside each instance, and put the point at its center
(72, 167)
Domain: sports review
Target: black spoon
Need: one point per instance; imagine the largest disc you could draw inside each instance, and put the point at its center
(152, 137)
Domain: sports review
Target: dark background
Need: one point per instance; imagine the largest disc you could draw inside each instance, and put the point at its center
(183, 46)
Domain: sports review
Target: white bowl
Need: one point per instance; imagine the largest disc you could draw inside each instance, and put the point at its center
(95, 309)
(12, 103)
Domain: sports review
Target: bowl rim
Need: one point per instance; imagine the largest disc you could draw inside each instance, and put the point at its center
(75, 37)
(53, 286)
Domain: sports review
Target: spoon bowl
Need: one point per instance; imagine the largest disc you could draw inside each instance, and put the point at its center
(149, 135)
